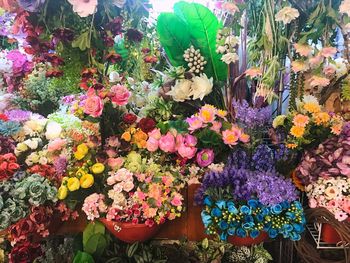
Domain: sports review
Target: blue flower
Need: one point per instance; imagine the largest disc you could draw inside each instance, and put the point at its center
(207, 201)
(265, 211)
(290, 215)
(249, 219)
(206, 218)
(254, 233)
(276, 209)
(223, 236)
(216, 212)
(245, 210)
(299, 228)
(221, 204)
(259, 217)
(294, 236)
(272, 233)
(231, 208)
(223, 225)
(253, 203)
(267, 226)
(241, 232)
(285, 204)
(248, 225)
(231, 231)
(298, 205)
(9, 128)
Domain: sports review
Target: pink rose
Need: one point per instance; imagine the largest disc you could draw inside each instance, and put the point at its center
(128, 186)
(152, 144)
(177, 200)
(167, 143)
(190, 140)
(216, 126)
(187, 152)
(155, 133)
(56, 145)
(93, 104)
(120, 95)
(312, 203)
(115, 163)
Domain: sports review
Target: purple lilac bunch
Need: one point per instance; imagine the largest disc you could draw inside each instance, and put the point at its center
(263, 159)
(330, 159)
(271, 188)
(18, 115)
(252, 118)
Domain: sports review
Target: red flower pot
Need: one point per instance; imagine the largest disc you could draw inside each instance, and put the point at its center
(329, 234)
(247, 241)
(129, 232)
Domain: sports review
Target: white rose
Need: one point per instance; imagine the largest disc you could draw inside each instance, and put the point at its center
(201, 86)
(43, 160)
(53, 130)
(181, 91)
(32, 158)
(230, 58)
(287, 15)
(340, 67)
(114, 77)
(32, 143)
(128, 186)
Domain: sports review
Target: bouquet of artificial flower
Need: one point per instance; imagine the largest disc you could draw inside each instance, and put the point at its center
(308, 125)
(141, 191)
(332, 194)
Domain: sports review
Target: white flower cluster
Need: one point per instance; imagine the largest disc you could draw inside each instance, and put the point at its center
(197, 88)
(226, 44)
(196, 61)
(5, 64)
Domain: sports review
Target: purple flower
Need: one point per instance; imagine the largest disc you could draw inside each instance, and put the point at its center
(18, 115)
(7, 145)
(205, 157)
(31, 5)
(252, 118)
(263, 160)
(60, 165)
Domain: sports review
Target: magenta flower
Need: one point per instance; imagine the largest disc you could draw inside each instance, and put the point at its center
(205, 157)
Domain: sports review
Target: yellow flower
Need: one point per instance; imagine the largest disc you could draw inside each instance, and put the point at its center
(222, 113)
(312, 107)
(297, 131)
(97, 168)
(321, 118)
(81, 151)
(73, 184)
(80, 173)
(126, 136)
(62, 192)
(86, 181)
(278, 121)
(292, 145)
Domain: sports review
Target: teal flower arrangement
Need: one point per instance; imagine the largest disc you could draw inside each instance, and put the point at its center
(250, 218)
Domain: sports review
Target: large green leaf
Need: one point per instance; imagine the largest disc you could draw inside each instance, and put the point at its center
(203, 26)
(82, 257)
(174, 37)
(92, 229)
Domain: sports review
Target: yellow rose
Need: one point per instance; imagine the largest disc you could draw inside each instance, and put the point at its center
(73, 184)
(62, 192)
(80, 173)
(97, 168)
(22, 147)
(126, 136)
(65, 180)
(81, 151)
(86, 181)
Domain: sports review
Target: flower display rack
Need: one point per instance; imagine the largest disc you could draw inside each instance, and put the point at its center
(315, 231)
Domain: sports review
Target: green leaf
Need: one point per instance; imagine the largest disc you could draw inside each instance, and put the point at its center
(83, 257)
(179, 125)
(209, 139)
(163, 126)
(92, 229)
(131, 249)
(82, 41)
(205, 243)
(96, 244)
(203, 25)
(174, 37)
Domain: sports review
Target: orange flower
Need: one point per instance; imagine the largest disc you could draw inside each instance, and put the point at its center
(321, 118)
(297, 131)
(312, 107)
(336, 128)
(292, 145)
(297, 182)
(300, 120)
(126, 136)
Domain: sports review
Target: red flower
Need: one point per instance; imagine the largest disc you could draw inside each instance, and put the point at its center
(88, 73)
(150, 59)
(97, 86)
(3, 117)
(129, 118)
(113, 57)
(115, 26)
(145, 50)
(146, 124)
(53, 59)
(21, 230)
(25, 252)
(135, 221)
(54, 73)
(8, 165)
(149, 222)
(134, 35)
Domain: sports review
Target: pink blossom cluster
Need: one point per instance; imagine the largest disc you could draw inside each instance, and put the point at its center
(94, 205)
(121, 181)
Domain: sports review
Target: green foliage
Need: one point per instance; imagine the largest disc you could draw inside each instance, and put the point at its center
(345, 93)
(83, 41)
(193, 24)
(94, 239)
(82, 257)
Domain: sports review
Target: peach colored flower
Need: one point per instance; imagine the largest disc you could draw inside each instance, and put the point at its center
(56, 145)
(195, 123)
(316, 81)
(299, 66)
(230, 8)
(93, 104)
(300, 120)
(84, 8)
(253, 72)
(321, 118)
(315, 61)
(331, 193)
(303, 50)
(120, 95)
(155, 134)
(345, 7)
(336, 128)
(328, 52)
(287, 15)
(152, 144)
(245, 138)
(216, 126)
(207, 113)
(230, 137)
(329, 70)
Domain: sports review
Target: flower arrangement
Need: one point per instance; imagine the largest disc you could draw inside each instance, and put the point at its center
(332, 194)
(141, 191)
(308, 125)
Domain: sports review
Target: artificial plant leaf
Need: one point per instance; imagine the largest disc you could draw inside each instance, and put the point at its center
(96, 244)
(203, 25)
(83, 41)
(92, 229)
(83, 257)
(131, 249)
(174, 37)
(179, 125)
